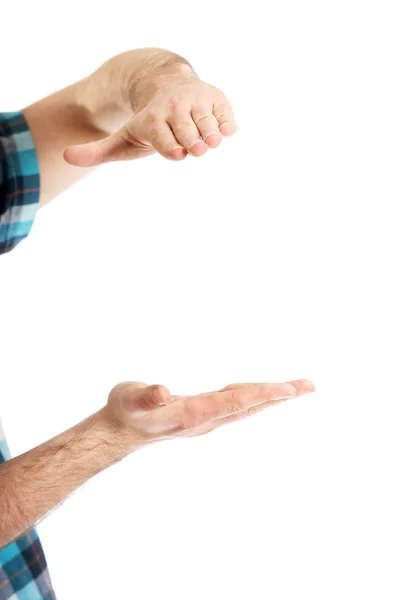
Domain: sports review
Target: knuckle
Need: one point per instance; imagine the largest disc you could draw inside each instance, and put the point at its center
(232, 409)
(159, 392)
(252, 410)
(151, 117)
(201, 116)
(223, 108)
(182, 126)
(219, 114)
(152, 397)
(146, 402)
(127, 135)
(175, 105)
(234, 404)
(156, 133)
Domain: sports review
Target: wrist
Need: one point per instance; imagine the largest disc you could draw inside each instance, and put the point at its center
(118, 437)
(97, 96)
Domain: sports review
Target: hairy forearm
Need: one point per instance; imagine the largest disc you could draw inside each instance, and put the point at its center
(93, 108)
(34, 483)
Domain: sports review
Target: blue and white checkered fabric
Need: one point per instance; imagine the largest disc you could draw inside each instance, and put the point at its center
(19, 180)
(23, 568)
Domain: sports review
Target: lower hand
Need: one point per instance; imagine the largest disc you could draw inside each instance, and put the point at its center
(145, 414)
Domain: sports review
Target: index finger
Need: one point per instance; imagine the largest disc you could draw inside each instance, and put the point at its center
(302, 386)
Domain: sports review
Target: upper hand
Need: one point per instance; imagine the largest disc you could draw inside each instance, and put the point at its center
(147, 414)
(184, 117)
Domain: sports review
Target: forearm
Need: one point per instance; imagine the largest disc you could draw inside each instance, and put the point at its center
(93, 108)
(34, 483)
(55, 123)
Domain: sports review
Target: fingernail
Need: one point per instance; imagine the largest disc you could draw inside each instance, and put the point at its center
(196, 142)
(309, 386)
(218, 133)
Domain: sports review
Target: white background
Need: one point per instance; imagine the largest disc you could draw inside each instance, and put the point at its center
(272, 258)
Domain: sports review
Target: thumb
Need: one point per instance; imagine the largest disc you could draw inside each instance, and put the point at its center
(92, 154)
(139, 397)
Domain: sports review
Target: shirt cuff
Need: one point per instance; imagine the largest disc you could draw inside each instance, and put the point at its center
(19, 180)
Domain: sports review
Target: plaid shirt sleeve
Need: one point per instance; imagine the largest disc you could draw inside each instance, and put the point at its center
(19, 180)
(23, 569)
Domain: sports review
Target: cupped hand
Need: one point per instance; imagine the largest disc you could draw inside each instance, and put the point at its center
(148, 413)
(184, 117)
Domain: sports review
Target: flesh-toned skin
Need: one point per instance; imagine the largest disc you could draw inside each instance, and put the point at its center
(136, 104)
(136, 415)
